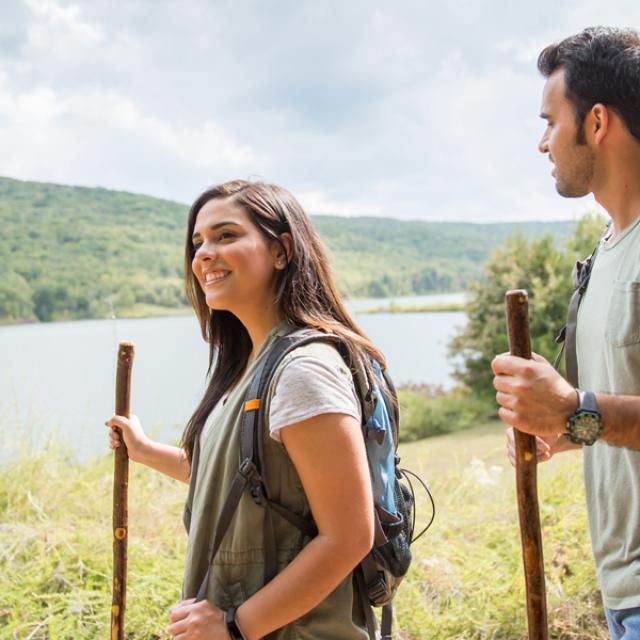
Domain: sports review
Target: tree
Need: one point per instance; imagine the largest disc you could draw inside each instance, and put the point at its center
(50, 301)
(545, 272)
(16, 304)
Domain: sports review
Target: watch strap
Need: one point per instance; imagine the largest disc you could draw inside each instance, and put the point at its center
(587, 401)
(232, 625)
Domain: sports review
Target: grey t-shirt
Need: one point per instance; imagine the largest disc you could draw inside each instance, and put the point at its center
(608, 349)
(311, 384)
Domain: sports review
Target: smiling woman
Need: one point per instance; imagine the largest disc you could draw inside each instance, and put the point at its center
(234, 264)
(256, 270)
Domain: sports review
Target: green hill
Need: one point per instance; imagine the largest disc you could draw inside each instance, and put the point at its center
(76, 252)
(384, 257)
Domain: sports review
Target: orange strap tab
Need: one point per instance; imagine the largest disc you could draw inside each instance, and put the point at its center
(252, 405)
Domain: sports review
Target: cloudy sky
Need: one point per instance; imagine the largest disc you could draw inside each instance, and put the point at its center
(412, 108)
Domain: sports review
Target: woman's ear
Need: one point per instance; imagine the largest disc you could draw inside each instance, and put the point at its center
(283, 250)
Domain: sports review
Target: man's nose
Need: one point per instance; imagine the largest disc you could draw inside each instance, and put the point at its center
(543, 145)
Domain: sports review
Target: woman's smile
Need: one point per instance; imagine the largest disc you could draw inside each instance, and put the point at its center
(214, 277)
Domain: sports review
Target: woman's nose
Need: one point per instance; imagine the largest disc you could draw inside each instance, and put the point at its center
(206, 252)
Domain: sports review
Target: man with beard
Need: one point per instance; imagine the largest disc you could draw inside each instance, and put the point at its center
(591, 103)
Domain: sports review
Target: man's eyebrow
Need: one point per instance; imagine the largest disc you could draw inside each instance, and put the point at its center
(213, 227)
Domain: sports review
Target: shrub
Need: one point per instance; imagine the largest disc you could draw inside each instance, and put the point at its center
(428, 411)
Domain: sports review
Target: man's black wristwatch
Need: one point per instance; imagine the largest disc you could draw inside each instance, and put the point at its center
(585, 425)
(232, 625)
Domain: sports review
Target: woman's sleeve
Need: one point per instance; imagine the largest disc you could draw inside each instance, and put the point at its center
(310, 386)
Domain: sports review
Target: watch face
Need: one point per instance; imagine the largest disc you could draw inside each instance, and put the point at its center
(585, 428)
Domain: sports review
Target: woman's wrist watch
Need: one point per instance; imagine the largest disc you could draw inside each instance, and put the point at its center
(232, 625)
(585, 425)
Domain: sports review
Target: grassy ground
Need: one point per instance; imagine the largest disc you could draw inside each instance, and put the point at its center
(466, 581)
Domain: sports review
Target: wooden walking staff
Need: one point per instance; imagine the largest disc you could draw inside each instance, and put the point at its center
(526, 481)
(126, 352)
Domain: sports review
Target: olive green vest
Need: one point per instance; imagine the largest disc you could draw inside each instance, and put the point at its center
(237, 570)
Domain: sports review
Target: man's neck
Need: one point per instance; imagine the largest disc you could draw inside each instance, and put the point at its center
(619, 192)
(617, 185)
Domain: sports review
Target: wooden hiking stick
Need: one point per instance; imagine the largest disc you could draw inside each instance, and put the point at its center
(126, 352)
(526, 481)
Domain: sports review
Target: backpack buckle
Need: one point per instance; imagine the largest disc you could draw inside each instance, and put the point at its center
(249, 472)
(247, 468)
(377, 590)
(257, 493)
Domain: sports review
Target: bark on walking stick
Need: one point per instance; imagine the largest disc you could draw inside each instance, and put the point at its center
(526, 481)
(126, 352)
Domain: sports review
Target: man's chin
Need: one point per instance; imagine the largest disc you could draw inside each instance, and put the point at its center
(567, 191)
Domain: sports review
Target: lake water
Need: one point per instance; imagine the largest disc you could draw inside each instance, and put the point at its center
(57, 379)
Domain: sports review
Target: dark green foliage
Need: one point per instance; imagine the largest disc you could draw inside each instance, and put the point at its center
(75, 252)
(71, 252)
(382, 257)
(429, 412)
(545, 272)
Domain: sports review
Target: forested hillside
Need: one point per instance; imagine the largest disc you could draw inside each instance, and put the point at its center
(76, 252)
(383, 257)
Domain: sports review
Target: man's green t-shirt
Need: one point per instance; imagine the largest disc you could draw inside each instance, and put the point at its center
(608, 349)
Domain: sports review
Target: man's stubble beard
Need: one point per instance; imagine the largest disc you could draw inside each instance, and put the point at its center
(575, 179)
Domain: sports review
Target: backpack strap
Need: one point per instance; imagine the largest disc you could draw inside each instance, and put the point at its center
(581, 276)
(394, 409)
(252, 445)
(367, 609)
(386, 622)
(248, 473)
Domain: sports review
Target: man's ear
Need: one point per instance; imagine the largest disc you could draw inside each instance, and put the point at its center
(283, 257)
(599, 122)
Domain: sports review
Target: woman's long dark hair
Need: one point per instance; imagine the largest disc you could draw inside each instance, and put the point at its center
(305, 291)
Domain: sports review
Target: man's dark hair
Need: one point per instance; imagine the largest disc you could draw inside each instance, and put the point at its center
(601, 64)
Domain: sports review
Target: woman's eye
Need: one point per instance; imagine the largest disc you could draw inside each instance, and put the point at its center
(227, 235)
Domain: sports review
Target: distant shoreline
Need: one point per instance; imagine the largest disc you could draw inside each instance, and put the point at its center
(148, 311)
(436, 307)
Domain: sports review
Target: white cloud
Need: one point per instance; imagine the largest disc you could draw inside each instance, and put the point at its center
(317, 202)
(205, 147)
(53, 22)
(73, 137)
(413, 109)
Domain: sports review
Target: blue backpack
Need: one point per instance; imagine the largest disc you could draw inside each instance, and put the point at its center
(378, 575)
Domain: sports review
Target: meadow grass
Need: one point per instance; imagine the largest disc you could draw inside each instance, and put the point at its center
(466, 580)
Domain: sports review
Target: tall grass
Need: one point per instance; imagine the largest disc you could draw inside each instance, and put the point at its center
(466, 580)
(55, 541)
